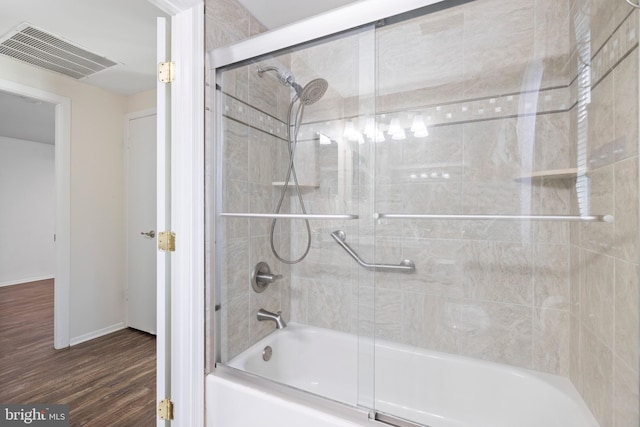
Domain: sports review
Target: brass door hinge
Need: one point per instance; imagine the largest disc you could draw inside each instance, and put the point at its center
(165, 409)
(167, 72)
(167, 241)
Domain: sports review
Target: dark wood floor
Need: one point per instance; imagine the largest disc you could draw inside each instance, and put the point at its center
(109, 381)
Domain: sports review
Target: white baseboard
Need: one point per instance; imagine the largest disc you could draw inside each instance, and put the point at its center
(97, 334)
(27, 280)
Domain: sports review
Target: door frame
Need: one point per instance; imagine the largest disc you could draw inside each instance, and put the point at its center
(187, 309)
(187, 217)
(62, 153)
(128, 118)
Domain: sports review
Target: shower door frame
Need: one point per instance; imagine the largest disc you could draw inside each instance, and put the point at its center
(320, 26)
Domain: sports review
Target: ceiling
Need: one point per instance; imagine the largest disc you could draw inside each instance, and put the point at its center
(123, 31)
(276, 13)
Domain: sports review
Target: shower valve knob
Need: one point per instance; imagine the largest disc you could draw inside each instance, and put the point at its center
(261, 277)
(268, 277)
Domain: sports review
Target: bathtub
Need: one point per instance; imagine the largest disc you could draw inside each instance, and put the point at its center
(431, 388)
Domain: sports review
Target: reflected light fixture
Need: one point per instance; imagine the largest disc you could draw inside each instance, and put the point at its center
(350, 132)
(394, 127)
(323, 139)
(396, 131)
(418, 127)
(370, 128)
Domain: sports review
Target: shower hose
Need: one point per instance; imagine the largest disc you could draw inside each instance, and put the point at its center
(291, 174)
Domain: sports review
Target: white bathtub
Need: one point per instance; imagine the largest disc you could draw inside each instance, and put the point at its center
(431, 388)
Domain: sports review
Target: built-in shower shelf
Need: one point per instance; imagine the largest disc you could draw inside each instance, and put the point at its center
(292, 185)
(568, 173)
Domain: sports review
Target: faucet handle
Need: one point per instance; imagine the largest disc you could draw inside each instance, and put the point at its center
(261, 277)
(267, 277)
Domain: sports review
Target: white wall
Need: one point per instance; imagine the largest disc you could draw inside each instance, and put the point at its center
(27, 216)
(97, 198)
(141, 101)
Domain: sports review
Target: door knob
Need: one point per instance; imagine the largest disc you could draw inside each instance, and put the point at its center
(151, 234)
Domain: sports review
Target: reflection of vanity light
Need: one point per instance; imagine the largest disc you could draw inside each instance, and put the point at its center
(370, 128)
(418, 127)
(324, 139)
(350, 132)
(349, 129)
(394, 127)
(413, 176)
(372, 132)
(396, 132)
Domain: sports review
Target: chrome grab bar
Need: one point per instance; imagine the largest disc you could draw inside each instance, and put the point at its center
(406, 266)
(586, 218)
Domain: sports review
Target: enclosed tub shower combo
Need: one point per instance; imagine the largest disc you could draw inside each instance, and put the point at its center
(426, 214)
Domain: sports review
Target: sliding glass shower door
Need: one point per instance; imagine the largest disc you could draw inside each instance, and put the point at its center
(288, 178)
(445, 195)
(506, 170)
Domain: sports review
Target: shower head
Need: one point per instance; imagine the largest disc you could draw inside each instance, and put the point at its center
(309, 94)
(312, 92)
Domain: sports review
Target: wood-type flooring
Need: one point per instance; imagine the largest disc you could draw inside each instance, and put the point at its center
(108, 381)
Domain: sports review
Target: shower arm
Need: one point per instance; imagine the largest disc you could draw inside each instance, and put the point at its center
(406, 266)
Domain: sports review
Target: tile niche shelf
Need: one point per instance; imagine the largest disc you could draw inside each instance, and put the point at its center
(291, 184)
(569, 173)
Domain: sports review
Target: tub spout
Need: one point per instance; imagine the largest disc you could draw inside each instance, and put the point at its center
(276, 317)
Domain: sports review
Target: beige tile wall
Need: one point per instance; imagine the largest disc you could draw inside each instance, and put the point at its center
(254, 157)
(604, 257)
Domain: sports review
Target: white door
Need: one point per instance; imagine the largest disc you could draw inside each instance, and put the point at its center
(141, 222)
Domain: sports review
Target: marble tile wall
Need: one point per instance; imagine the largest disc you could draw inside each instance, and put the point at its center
(254, 153)
(603, 313)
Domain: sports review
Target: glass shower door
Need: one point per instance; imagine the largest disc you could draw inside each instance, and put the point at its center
(293, 171)
(506, 157)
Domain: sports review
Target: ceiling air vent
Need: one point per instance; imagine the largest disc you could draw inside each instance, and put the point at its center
(37, 47)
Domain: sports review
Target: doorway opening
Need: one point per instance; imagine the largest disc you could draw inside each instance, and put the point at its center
(62, 157)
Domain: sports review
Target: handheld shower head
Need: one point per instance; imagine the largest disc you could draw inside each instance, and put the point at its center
(313, 91)
(309, 94)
